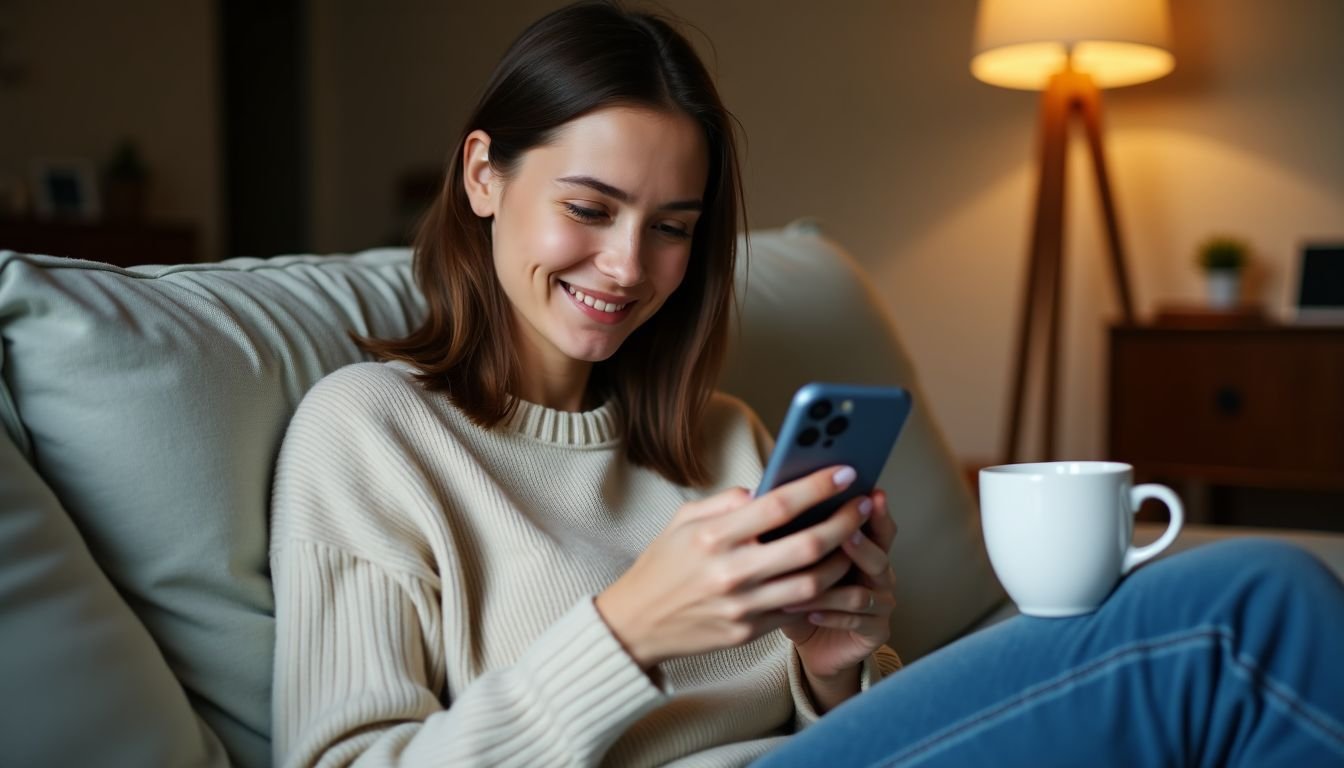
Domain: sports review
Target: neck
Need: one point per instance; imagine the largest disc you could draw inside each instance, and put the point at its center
(559, 386)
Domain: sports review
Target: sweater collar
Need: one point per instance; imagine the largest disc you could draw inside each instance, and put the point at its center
(584, 428)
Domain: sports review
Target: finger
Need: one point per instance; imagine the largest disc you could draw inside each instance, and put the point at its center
(866, 554)
(798, 587)
(841, 600)
(854, 622)
(803, 548)
(718, 504)
(786, 502)
(882, 526)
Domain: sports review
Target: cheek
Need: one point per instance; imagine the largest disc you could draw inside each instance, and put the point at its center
(559, 245)
(668, 272)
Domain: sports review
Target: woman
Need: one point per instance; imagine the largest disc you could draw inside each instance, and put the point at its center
(525, 540)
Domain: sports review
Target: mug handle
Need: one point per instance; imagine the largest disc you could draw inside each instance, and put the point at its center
(1137, 555)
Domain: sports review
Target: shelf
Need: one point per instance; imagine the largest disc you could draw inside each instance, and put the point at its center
(123, 244)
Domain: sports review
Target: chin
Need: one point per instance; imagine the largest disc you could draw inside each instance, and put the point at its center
(593, 355)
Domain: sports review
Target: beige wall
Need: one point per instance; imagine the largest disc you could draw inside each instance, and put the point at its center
(98, 72)
(863, 114)
(860, 113)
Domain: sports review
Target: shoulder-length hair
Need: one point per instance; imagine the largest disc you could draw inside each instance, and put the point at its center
(579, 59)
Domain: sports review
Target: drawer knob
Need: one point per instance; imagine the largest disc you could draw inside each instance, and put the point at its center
(1228, 401)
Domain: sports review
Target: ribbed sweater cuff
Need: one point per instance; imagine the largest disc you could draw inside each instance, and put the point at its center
(875, 667)
(588, 682)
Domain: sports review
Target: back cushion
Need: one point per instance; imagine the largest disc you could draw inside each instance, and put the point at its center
(153, 403)
(809, 314)
(83, 681)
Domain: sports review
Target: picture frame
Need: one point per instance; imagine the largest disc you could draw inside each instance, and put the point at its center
(65, 188)
(1320, 283)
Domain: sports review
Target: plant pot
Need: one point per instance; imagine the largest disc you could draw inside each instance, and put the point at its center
(1224, 288)
(125, 199)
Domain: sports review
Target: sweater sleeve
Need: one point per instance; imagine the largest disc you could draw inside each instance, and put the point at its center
(359, 670)
(352, 680)
(876, 667)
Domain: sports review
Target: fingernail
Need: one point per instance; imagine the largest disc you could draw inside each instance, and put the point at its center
(856, 538)
(844, 477)
(866, 508)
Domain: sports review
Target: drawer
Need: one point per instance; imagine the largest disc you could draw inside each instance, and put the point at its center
(1266, 400)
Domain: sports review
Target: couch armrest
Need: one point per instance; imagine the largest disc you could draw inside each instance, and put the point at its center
(1329, 547)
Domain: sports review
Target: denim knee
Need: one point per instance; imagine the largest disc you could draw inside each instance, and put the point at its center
(1250, 568)
(1261, 558)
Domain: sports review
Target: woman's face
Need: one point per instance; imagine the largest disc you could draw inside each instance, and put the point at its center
(592, 232)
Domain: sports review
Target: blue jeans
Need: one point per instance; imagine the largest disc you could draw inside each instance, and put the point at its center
(1230, 654)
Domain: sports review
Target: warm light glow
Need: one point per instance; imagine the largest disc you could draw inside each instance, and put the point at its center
(1021, 43)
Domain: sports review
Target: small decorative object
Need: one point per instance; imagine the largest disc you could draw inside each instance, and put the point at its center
(1223, 258)
(125, 183)
(65, 189)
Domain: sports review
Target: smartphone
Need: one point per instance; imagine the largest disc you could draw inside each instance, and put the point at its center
(834, 424)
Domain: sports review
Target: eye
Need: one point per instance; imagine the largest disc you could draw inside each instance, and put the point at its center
(587, 215)
(675, 230)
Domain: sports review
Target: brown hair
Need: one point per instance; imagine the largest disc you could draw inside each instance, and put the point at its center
(579, 59)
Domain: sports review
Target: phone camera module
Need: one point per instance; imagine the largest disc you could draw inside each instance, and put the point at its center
(808, 437)
(837, 425)
(820, 409)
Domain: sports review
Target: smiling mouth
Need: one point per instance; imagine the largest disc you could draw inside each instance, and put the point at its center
(597, 304)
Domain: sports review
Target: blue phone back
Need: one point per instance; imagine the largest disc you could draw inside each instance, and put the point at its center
(833, 424)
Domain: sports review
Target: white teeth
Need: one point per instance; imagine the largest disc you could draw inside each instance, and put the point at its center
(597, 304)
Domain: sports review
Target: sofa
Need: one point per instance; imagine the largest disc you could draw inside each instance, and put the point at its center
(142, 412)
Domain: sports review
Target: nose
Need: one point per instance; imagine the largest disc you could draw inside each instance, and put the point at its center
(621, 257)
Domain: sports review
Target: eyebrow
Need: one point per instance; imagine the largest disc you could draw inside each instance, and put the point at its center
(604, 188)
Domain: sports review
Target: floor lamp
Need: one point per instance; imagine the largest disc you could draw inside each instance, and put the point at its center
(1069, 49)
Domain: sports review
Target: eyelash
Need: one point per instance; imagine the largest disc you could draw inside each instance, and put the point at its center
(592, 216)
(584, 214)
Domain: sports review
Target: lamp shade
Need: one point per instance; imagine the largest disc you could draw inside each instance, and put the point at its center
(1021, 43)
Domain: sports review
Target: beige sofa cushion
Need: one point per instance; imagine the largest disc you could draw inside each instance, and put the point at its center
(810, 314)
(84, 683)
(153, 401)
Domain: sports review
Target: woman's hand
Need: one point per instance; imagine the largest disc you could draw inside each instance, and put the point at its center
(850, 621)
(707, 583)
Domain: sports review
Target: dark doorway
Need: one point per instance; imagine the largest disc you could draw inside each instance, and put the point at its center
(264, 48)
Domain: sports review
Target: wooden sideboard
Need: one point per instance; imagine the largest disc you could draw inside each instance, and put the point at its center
(124, 244)
(1248, 422)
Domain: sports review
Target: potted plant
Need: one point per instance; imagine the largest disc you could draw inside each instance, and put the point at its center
(125, 183)
(1223, 258)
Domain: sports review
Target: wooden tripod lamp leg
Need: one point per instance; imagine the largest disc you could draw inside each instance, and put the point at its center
(1041, 294)
(1089, 101)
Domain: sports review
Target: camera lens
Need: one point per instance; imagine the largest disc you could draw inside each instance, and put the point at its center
(837, 425)
(820, 409)
(808, 436)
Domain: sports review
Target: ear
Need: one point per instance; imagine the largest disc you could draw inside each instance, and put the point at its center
(478, 177)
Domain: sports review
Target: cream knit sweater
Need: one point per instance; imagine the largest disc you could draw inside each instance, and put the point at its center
(434, 588)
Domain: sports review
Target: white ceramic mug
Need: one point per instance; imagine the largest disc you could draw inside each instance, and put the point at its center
(1060, 533)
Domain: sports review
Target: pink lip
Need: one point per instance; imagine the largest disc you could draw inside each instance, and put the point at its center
(607, 318)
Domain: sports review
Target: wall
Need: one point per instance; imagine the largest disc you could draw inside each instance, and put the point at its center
(95, 73)
(863, 114)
